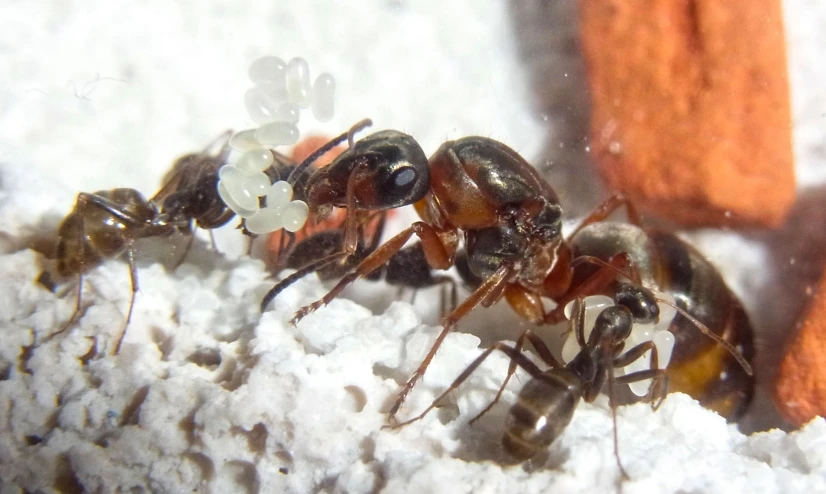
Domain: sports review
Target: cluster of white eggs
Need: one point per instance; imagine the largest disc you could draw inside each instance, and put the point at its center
(640, 333)
(281, 91)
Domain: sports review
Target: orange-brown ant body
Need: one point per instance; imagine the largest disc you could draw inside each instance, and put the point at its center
(482, 192)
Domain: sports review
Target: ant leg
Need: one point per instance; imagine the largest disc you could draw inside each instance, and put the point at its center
(708, 332)
(659, 387)
(577, 323)
(659, 380)
(447, 303)
(286, 241)
(612, 403)
(77, 310)
(189, 242)
(80, 202)
(495, 283)
(437, 254)
(543, 352)
(289, 280)
(604, 210)
(351, 219)
(133, 275)
(597, 283)
(516, 357)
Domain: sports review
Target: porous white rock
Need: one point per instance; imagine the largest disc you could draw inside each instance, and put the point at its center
(155, 80)
(209, 395)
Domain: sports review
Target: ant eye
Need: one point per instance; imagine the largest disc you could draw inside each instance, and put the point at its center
(402, 179)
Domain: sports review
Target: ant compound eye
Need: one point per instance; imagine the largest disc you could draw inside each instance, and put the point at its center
(403, 178)
(398, 181)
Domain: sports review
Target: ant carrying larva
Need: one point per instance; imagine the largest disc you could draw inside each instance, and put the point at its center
(546, 403)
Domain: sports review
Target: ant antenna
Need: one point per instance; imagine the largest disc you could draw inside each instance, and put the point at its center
(289, 280)
(348, 136)
(704, 329)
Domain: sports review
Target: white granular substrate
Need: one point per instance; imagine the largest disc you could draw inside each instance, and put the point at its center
(207, 394)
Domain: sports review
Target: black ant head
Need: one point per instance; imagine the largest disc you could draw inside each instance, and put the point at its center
(488, 248)
(613, 326)
(640, 301)
(390, 170)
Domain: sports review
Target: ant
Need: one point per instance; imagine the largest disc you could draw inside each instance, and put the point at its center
(407, 268)
(107, 223)
(545, 405)
(480, 190)
(188, 197)
(719, 378)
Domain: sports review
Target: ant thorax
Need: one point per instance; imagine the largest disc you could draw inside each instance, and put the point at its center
(640, 333)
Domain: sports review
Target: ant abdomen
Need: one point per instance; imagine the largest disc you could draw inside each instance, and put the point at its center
(90, 233)
(543, 409)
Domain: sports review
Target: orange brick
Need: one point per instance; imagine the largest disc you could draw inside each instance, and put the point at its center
(690, 102)
(800, 389)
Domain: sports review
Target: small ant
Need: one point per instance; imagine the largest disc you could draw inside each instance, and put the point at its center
(408, 268)
(545, 405)
(107, 223)
(719, 378)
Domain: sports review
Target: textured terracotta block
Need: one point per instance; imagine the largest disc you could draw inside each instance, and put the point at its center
(690, 102)
(800, 389)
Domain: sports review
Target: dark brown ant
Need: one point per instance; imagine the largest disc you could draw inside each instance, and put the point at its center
(408, 268)
(547, 402)
(510, 220)
(545, 405)
(106, 224)
(188, 197)
(710, 373)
